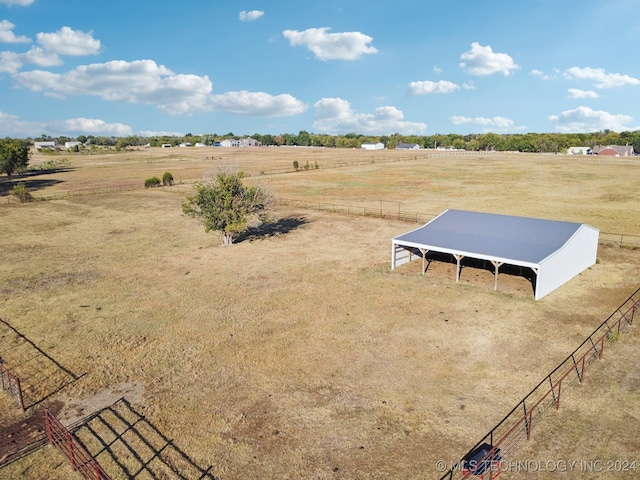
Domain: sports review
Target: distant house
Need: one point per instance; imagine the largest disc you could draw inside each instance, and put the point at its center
(230, 142)
(614, 150)
(166, 145)
(407, 146)
(373, 146)
(40, 145)
(243, 142)
(250, 142)
(579, 151)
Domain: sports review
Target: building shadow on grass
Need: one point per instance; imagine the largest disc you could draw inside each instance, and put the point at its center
(479, 264)
(271, 229)
(123, 440)
(41, 376)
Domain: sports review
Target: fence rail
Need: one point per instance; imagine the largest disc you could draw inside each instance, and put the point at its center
(81, 460)
(517, 426)
(11, 384)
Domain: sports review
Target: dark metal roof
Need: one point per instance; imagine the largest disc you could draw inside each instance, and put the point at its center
(513, 240)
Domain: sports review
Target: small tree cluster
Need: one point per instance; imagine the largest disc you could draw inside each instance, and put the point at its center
(152, 182)
(167, 181)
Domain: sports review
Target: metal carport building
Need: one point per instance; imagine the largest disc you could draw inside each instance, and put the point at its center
(555, 251)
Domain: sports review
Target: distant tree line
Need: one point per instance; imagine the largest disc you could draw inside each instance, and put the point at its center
(526, 142)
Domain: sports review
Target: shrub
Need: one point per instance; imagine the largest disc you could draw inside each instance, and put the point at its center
(152, 182)
(22, 192)
(296, 165)
(167, 179)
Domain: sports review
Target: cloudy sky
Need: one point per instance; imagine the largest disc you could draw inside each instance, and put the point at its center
(143, 67)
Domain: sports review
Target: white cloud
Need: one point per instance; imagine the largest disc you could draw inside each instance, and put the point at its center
(332, 46)
(428, 87)
(482, 61)
(90, 126)
(469, 85)
(69, 42)
(335, 116)
(585, 120)
(577, 93)
(10, 62)
(41, 58)
(257, 104)
(251, 16)
(437, 69)
(64, 42)
(501, 123)
(145, 82)
(21, 3)
(542, 75)
(140, 81)
(600, 78)
(13, 126)
(7, 35)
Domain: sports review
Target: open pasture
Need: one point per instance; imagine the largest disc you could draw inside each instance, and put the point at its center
(297, 353)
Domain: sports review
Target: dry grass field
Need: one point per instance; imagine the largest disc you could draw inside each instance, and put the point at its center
(298, 353)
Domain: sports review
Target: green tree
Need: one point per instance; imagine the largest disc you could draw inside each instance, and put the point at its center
(225, 205)
(167, 179)
(14, 155)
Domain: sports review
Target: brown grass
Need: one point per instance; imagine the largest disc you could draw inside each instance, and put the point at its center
(300, 354)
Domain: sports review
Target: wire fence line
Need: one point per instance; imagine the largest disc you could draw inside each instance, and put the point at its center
(606, 238)
(517, 426)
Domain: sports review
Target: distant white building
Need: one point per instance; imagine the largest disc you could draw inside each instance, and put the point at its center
(185, 144)
(250, 142)
(579, 151)
(40, 145)
(69, 145)
(230, 142)
(243, 142)
(166, 145)
(407, 146)
(373, 146)
(200, 145)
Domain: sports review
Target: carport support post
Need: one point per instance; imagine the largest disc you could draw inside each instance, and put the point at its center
(423, 251)
(393, 255)
(497, 265)
(458, 258)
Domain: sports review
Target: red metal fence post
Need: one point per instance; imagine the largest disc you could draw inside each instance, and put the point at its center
(601, 347)
(559, 391)
(70, 447)
(47, 425)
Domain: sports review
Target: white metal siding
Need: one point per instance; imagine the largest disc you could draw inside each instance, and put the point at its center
(575, 256)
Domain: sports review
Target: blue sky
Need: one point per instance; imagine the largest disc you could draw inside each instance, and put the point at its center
(415, 67)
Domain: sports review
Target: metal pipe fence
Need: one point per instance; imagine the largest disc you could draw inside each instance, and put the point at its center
(11, 384)
(518, 425)
(81, 460)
